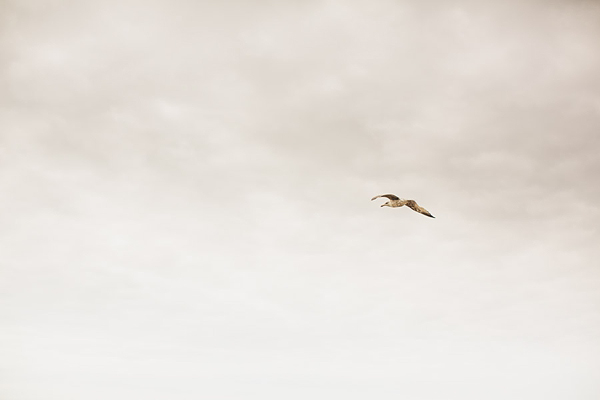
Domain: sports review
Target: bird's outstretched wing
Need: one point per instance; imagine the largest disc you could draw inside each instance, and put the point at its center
(413, 205)
(389, 196)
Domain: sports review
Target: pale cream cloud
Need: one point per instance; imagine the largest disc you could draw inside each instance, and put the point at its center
(186, 199)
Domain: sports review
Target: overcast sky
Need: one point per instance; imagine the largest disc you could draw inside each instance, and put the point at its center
(186, 204)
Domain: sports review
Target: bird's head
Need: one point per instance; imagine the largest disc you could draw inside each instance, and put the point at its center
(387, 203)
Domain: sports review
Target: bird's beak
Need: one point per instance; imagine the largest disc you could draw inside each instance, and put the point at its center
(382, 205)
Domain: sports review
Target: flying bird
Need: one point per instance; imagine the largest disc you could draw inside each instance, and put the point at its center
(396, 201)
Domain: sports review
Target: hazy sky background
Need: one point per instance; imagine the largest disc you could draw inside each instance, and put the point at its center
(186, 204)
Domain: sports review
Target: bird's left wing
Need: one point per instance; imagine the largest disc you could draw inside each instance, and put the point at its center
(389, 196)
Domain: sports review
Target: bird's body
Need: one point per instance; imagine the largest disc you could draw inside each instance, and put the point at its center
(395, 201)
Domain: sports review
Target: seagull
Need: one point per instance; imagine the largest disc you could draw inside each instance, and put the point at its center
(396, 201)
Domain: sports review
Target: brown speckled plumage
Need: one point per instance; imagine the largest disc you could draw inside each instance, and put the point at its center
(395, 201)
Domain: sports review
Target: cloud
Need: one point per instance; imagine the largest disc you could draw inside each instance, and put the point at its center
(186, 198)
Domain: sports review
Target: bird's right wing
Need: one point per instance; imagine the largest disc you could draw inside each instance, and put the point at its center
(389, 196)
(413, 205)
